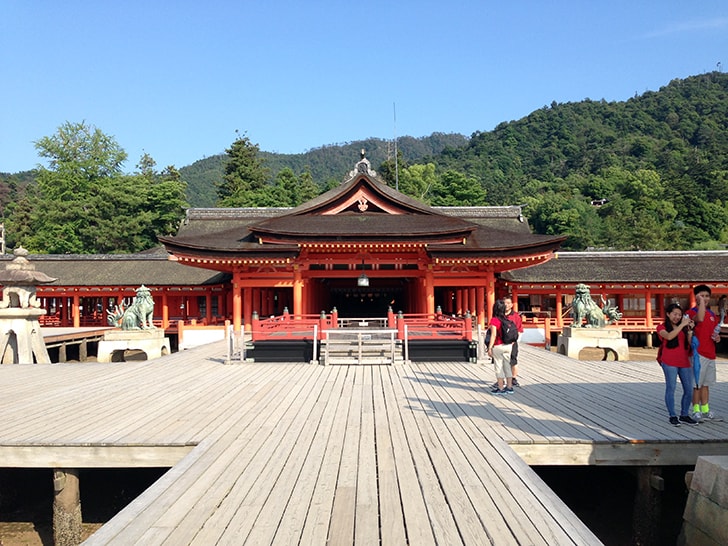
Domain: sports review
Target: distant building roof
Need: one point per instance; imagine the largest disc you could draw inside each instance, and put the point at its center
(693, 267)
(151, 269)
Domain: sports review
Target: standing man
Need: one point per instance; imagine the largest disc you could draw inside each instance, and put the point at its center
(707, 331)
(516, 319)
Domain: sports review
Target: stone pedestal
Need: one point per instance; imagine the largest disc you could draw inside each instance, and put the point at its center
(21, 340)
(152, 342)
(706, 510)
(573, 340)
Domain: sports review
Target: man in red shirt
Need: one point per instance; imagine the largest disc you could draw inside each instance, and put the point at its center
(516, 319)
(707, 331)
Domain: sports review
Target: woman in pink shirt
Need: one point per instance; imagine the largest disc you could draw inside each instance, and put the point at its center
(674, 357)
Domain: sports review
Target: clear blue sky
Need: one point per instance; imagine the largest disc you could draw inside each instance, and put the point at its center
(176, 79)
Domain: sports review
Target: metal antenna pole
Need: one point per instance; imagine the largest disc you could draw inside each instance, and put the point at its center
(396, 164)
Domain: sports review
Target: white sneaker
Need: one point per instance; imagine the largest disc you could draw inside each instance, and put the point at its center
(709, 415)
(697, 416)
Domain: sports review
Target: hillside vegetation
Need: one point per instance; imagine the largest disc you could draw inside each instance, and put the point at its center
(648, 173)
(327, 164)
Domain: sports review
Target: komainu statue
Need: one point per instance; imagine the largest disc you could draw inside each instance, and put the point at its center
(138, 316)
(585, 308)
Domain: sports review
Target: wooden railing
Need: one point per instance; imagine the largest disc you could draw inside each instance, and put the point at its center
(419, 326)
(288, 326)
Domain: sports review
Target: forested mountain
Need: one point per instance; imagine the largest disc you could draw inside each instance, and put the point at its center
(648, 173)
(326, 164)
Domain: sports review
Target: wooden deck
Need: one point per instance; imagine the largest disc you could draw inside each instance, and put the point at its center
(305, 454)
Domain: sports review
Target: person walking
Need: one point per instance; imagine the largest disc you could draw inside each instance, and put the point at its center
(514, 317)
(707, 330)
(499, 351)
(675, 334)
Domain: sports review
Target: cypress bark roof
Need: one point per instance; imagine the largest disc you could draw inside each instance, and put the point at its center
(694, 267)
(361, 209)
(151, 269)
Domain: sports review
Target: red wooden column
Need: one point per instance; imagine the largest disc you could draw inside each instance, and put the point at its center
(471, 301)
(237, 303)
(247, 306)
(76, 311)
(489, 293)
(429, 293)
(648, 308)
(256, 302)
(297, 291)
(165, 309)
(559, 308)
(480, 302)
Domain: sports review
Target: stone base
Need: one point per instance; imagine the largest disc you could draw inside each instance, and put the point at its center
(152, 342)
(573, 340)
(21, 340)
(706, 510)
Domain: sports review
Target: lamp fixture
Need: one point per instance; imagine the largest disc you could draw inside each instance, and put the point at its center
(363, 280)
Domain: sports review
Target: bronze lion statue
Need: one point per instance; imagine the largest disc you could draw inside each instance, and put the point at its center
(138, 316)
(584, 308)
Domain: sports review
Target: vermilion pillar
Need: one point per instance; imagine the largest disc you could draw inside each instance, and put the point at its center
(297, 292)
(429, 293)
(237, 303)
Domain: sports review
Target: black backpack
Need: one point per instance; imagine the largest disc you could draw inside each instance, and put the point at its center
(509, 332)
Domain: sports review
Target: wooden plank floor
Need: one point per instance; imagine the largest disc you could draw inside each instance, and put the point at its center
(290, 453)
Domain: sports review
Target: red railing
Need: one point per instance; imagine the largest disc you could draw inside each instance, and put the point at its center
(288, 326)
(435, 326)
(418, 326)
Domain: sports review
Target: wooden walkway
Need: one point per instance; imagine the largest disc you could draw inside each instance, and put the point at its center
(305, 454)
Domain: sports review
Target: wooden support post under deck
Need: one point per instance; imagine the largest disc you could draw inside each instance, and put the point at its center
(66, 507)
(647, 508)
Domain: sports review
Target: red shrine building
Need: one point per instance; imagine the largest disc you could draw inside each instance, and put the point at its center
(366, 251)
(363, 249)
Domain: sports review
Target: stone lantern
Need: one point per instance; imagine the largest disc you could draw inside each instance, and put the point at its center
(22, 341)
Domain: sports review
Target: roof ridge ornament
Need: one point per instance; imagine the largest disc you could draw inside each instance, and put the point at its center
(363, 166)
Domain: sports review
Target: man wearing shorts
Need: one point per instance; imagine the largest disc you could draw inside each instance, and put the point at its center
(707, 331)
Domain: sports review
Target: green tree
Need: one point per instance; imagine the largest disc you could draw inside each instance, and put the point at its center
(244, 180)
(418, 180)
(83, 203)
(307, 188)
(458, 189)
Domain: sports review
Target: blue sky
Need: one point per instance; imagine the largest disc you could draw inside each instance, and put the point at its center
(176, 79)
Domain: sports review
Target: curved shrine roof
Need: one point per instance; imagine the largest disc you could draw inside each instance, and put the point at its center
(360, 210)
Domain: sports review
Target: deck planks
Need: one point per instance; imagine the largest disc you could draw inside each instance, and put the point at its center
(292, 453)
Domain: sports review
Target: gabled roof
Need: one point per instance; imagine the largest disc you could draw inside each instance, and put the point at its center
(362, 209)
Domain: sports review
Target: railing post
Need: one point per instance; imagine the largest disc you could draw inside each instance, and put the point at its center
(315, 342)
(400, 325)
(334, 318)
(468, 326)
(406, 344)
(254, 325)
(322, 321)
(390, 318)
